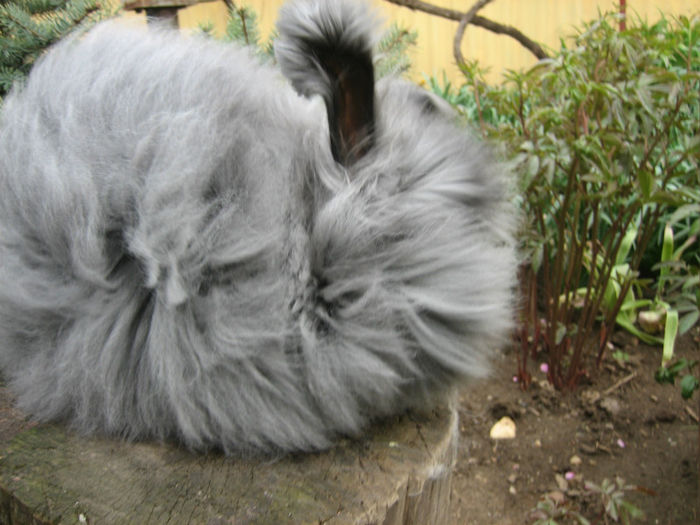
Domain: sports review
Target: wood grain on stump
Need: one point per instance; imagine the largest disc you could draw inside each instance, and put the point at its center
(399, 474)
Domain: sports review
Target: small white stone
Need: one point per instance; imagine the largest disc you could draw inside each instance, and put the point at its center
(503, 429)
(575, 460)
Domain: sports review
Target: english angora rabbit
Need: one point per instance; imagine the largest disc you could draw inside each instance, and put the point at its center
(192, 250)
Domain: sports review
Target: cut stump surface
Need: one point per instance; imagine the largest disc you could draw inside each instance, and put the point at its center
(399, 474)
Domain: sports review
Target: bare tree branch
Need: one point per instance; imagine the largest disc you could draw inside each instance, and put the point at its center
(463, 23)
(490, 25)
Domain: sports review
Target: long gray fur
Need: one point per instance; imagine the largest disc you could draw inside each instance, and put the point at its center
(184, 255)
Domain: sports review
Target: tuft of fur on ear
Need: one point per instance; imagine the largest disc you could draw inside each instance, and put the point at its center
(325, 48)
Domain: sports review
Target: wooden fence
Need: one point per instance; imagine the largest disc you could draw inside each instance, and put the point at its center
(545, 21)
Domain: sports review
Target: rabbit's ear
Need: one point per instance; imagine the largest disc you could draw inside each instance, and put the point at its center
(325, 48)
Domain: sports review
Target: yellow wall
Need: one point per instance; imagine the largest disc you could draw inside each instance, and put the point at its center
(545, 21)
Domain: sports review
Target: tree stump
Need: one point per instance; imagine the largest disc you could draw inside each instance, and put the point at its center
(398, 474)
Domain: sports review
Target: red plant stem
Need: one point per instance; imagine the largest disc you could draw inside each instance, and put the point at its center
(528, 318)
(574, 274)
(623, 12)
(574, 262)
(587, 312)
(548, 336)
(558, 275)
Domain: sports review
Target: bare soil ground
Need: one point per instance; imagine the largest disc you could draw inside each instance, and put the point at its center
(623, 423)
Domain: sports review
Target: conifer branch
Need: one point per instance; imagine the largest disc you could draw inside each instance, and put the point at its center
(28, 27)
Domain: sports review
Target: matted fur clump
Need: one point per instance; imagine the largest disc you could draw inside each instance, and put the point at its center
(191, 250)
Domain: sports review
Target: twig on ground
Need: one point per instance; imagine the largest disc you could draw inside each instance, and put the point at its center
(621, 382)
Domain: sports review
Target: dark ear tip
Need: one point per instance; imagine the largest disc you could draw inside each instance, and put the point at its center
(307, 26)
(325, 48)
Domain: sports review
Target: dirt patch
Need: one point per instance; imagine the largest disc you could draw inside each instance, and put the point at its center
(622, 424)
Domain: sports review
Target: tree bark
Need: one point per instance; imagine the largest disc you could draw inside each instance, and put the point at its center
(459, 34)
(490, 25)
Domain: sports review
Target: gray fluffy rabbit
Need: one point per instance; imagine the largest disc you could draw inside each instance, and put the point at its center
(191, 249)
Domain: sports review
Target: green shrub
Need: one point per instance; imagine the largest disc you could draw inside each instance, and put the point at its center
(605, 140)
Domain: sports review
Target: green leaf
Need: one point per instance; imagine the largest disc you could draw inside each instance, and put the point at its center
(633, 511)
(664, 375)
(626, 245)
(619, 355)
(687, 210)
(639, 334)
(667, 247)
(688, 321)
(666, 256)
(689, 384)
(560, 333)
(646, 182)
(611, 509)
(581, 519)
(670, 333)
